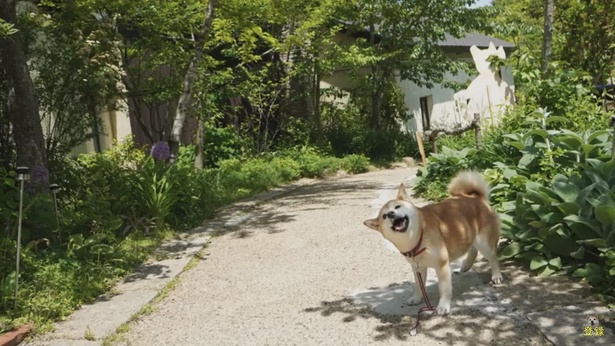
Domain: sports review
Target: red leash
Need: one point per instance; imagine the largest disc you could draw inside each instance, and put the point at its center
(417, 250)
(429, 307)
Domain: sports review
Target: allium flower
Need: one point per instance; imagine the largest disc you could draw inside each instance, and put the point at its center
(160, 151)
(39, 175)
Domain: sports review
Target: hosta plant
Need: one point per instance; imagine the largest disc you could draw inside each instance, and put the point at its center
(567, 225)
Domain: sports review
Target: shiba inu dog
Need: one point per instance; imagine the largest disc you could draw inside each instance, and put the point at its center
(439, 233)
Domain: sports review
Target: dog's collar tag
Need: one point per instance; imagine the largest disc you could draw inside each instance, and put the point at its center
(417, 250)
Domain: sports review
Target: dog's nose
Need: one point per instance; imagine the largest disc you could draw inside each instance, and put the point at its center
(391, 214)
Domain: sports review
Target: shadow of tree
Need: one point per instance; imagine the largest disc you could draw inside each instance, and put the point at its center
(559, 305)
(148, 270)
(242, 219)
(465, 326)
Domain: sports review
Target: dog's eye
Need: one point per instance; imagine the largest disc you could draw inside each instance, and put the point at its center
(397, 207)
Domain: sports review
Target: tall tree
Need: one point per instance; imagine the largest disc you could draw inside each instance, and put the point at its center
(402, 41)
(547, 36)
(588, 29)
(23, 103)
(185, 100)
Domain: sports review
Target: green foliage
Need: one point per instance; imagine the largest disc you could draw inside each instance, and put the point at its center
(567, 224)
(220, 144)
(355, 164)
(7, 29)
(432, 180)
(312, 163)
(154, 192)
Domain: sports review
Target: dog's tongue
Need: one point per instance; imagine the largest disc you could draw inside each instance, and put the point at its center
(399, 224)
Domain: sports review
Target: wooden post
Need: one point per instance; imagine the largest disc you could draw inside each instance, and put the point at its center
(434, 144)
(477, 130)
(419, 141)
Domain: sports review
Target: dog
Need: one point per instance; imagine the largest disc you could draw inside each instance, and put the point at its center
(437, 234)
(593, 321)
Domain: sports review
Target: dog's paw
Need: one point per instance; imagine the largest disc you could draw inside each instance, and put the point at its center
(497, 279)
(415, 300)
(443, 309)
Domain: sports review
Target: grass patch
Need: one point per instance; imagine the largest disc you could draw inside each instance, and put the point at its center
(89, 335)
(149, 308)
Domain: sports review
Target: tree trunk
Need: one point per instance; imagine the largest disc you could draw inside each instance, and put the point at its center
(374, 119)
(199, 159)
(546, 37)
(185, 99)
(376, 100)
(316, 108)
(23, 104)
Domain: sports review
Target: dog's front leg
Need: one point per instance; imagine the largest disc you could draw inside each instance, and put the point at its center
(417, 297)
(445, 286)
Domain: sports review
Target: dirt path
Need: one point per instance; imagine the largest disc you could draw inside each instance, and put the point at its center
(303, 270)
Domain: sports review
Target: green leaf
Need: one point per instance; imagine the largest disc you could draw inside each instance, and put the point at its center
(597, 242)
(511, 250)
(605, 214)
(569, 142)
(542, 133)
(568, 208)
(556, 119)
(538, 262)
(566, 190)
(583, 227)
(578, 254)
(526, 160)
(548, 271)
(590, 270)
(101, 249)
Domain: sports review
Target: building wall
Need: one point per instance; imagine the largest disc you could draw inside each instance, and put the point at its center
(487, 94)
(442, 106)
(114, 128)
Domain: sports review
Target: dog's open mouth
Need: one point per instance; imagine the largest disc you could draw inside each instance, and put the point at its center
(400, 224)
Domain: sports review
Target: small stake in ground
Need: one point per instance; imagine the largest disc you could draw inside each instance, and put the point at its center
(23, 175)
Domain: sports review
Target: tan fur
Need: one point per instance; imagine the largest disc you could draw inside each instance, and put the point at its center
(462, 224)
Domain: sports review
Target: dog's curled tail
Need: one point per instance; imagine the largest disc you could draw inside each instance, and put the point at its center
(469, 184)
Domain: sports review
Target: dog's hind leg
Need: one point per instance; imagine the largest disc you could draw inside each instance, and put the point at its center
(488, 249)
(469, 261)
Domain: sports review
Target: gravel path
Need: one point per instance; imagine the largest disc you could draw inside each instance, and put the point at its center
(303, 270)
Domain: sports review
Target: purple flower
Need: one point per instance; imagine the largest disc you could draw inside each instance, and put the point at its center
(160, 151)
(39, 175)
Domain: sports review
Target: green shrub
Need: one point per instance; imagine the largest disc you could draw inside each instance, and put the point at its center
(355, 164)
(432, 180)
(312, 163)
(378, 145)
(221, 143)
(567, 225)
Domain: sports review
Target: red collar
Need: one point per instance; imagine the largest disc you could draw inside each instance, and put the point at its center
(417, 250)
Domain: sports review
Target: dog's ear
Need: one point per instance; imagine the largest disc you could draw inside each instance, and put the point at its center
(401, 192)
(372, 223)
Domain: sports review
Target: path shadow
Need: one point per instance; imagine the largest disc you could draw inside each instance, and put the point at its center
(241, 220)
(148, 271)
(559, 305)
(479, 316)
(465, 326)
